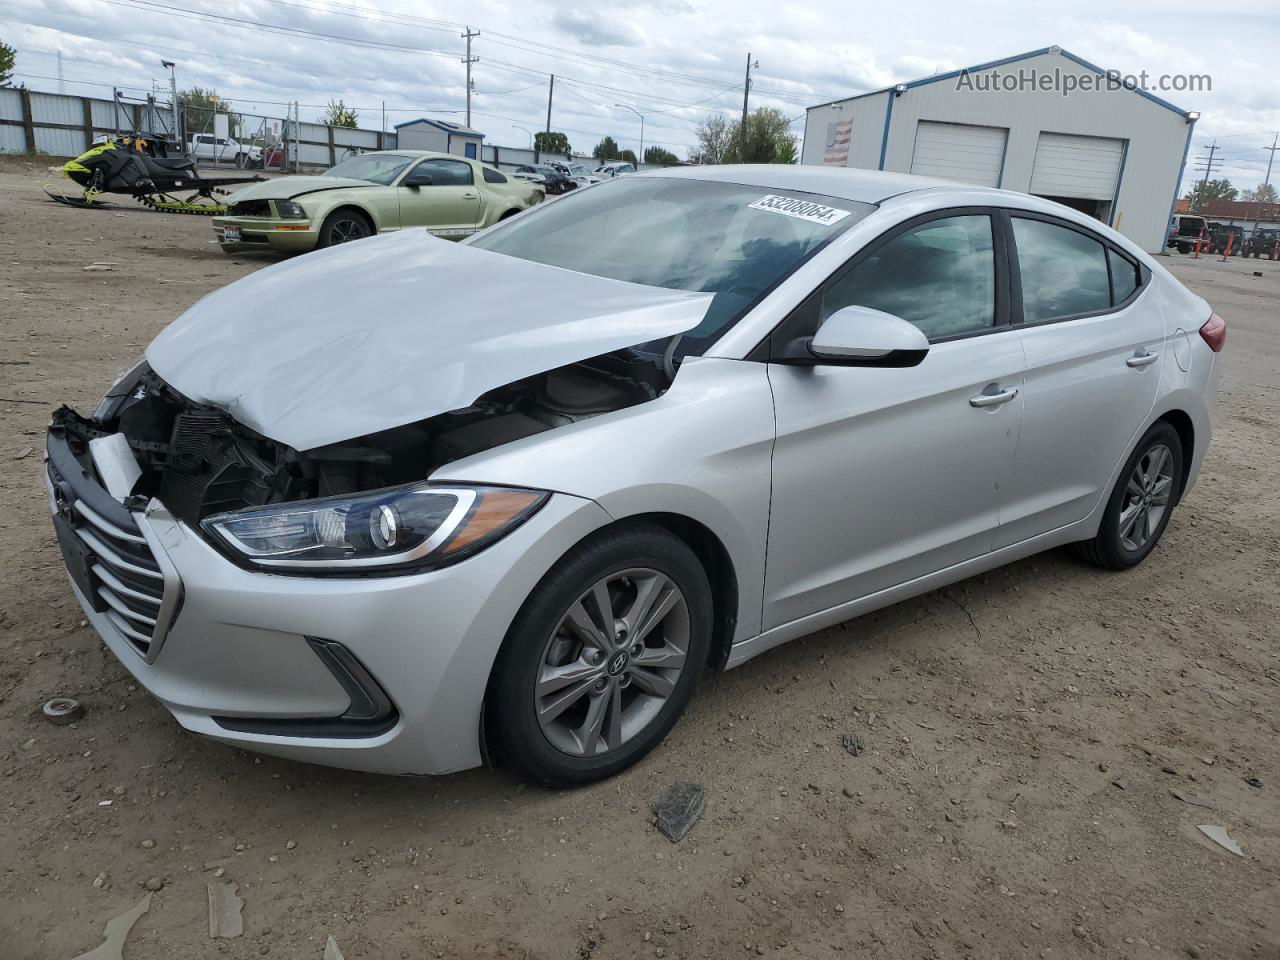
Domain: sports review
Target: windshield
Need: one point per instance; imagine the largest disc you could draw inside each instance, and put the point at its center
(724, 238)
(375, 167)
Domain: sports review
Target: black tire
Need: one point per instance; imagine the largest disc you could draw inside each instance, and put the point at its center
(508, 215)
(511, 723)
(1108, 549)
(241, 161)
(343, 226)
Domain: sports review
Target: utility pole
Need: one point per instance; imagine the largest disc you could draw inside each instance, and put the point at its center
(742, 131)
(551, 92)
(1275, 145)
(62, 87)
(1209, 161)
(173, 102)
(469, 60)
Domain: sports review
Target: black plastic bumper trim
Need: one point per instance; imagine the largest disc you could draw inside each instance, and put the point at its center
(369, 714)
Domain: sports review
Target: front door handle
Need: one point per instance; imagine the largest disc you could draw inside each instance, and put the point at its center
(993, 399)
(1142, 359)
(468, 196)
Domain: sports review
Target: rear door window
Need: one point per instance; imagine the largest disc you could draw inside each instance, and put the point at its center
(1124, 276)
(1064, 272)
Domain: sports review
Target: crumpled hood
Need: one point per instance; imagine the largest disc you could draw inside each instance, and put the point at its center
(284, 188)
(394, 329)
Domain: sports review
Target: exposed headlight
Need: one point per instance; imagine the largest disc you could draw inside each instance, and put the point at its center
(288, 210)
(414, 525)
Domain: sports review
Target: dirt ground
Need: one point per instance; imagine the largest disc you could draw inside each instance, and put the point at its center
(1024, 731)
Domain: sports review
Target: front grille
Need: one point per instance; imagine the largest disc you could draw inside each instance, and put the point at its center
(126, 577)
(108, 553)
(250, 208)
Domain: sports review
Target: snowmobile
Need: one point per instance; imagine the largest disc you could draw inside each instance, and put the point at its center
(145, 169)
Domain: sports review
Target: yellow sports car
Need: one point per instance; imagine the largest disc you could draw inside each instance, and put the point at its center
(372, 193)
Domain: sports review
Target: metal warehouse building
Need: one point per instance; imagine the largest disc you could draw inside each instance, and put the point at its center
(1110, 150)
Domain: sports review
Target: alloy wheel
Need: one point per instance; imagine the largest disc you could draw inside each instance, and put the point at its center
(1146, 497)
(344, 230)
(612, 662)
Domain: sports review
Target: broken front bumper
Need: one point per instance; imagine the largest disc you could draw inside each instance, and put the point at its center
(385, 674)
(260, 233)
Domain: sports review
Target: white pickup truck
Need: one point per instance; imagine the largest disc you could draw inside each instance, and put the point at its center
(205, 146)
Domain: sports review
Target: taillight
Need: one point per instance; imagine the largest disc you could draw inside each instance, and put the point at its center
(1214, 332)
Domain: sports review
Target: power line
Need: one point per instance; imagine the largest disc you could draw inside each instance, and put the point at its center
(531, 46)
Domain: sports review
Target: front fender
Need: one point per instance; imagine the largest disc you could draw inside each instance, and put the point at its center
(382, 211)
(702, 450)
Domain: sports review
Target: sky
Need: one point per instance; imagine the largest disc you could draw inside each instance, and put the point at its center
(674, 61)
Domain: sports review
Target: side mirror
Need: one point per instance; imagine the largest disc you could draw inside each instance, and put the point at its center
(418, 180)
(861, 337)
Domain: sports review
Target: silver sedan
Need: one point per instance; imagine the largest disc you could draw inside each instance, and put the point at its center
(511, 498)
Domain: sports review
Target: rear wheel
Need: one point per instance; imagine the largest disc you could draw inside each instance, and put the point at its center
(343, 226)
(602, 659)
(1141, 502)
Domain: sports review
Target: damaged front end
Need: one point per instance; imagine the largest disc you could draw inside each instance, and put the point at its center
(361, 505)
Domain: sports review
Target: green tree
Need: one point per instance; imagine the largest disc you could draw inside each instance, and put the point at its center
(629, 156)
(552, 142)
(1262, 193)
(198, 106)
(660, 155)
(768, 140)
(606, 149)
(713, 139)
(1207, 191)
(338, 114)
(7, 57)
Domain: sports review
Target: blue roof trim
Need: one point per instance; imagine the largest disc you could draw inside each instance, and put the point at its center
(990, 65)
(450, 128)
(1142, 93)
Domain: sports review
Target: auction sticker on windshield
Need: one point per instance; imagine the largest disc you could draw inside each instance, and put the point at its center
(800, 209)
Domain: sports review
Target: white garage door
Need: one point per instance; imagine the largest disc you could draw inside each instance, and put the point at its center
(1073, 166)
(959, 151)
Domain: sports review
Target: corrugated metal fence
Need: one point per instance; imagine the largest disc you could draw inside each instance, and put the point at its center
(60, 125)
(65, 126)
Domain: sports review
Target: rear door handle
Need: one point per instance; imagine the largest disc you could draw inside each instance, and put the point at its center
(993, 399)
(468, 196)
(1142, 359)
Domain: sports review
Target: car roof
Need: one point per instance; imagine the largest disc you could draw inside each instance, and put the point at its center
(847, 183)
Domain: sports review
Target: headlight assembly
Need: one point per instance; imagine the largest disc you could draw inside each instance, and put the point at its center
(415, 525)
(288, 210)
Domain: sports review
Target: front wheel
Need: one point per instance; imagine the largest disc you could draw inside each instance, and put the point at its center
(602, 659)
(1140, 504)
(343, 226)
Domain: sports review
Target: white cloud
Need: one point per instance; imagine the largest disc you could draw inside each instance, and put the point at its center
(633, 53)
